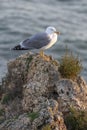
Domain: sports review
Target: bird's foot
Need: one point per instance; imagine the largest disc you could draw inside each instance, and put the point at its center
(45, 57)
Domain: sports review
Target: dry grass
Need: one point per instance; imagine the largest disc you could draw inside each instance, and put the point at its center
(76, 120)
(70, 66)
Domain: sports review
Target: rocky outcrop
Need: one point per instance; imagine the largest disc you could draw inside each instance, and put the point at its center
(35, 95)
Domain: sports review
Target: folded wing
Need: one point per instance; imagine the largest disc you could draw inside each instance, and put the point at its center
(37, 41)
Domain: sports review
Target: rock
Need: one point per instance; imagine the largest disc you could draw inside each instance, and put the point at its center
(22, 123)
(71, 93)
(47, 114)
(35, 95)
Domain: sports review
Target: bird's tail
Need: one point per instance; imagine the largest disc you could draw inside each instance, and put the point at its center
(18, 47)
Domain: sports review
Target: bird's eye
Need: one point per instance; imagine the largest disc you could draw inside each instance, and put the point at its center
(51, 29)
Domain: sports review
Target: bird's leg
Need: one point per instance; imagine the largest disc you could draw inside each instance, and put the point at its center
(45, 57)
(41, 53)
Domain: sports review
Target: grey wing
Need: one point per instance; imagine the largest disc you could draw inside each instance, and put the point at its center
(37, 41)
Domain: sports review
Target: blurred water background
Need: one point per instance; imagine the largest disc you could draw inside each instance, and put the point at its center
(20, 19)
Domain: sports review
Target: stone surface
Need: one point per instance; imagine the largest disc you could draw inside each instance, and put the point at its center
(72, 93)
(34, 94)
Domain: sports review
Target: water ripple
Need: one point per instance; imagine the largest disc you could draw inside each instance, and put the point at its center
(20, 19)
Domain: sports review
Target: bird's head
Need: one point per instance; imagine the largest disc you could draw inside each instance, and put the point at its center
(51, 30)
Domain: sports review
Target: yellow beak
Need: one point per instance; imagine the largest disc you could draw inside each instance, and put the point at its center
(57, 32)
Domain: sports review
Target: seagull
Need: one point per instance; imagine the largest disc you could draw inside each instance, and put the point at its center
(40, 41)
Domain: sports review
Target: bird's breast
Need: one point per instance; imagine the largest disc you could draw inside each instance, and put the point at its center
(53, 39)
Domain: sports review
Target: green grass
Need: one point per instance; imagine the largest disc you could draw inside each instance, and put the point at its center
(70, 66)
(7, 97)
(16, 117)
(1, 112)
(33, 115)
(76, 120)
(28, 61)
(46, 127)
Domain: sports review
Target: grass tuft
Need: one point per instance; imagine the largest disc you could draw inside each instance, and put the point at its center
(33, 115)
(6, 98)
(2, 112)
(76, 120)
(46, 127)
(28, 61)
(70, 66)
